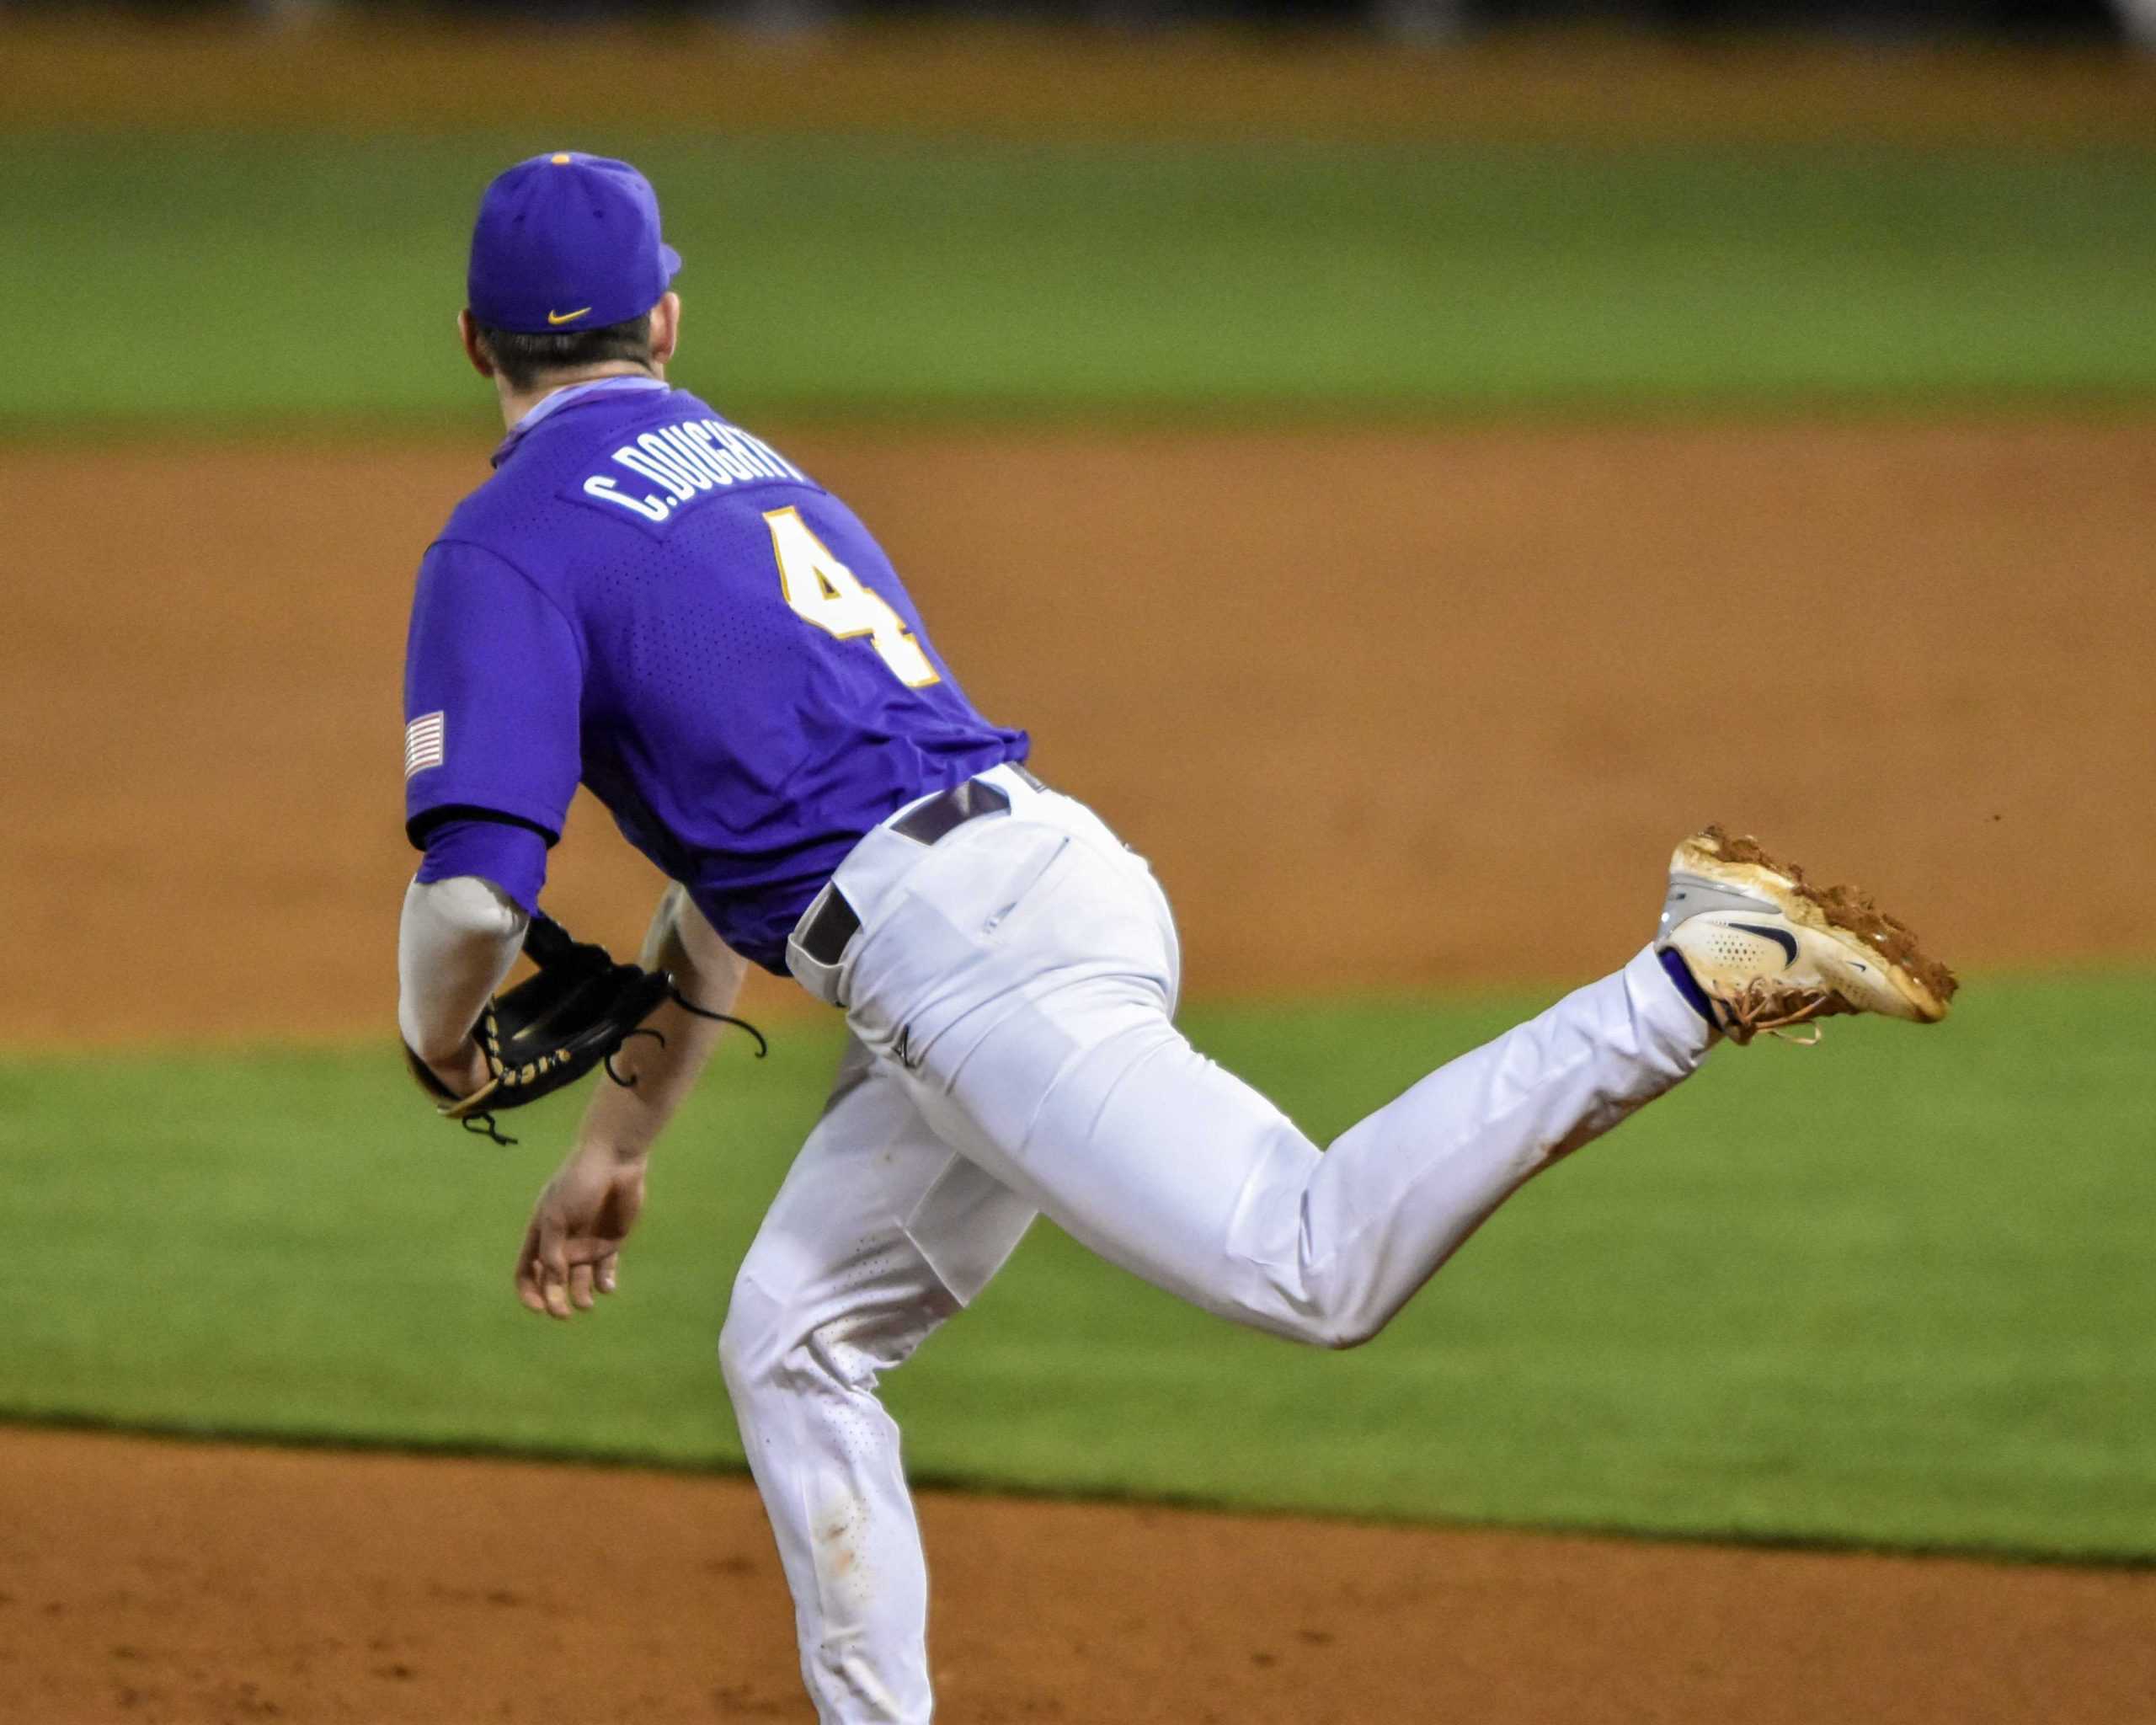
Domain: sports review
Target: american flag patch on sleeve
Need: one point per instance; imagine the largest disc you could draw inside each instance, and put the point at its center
(425, 743)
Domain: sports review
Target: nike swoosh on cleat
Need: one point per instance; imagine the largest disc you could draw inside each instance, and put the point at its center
(1781, 937)
(566, 316)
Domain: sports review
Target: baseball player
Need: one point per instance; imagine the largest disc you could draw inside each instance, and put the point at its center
(650, 601)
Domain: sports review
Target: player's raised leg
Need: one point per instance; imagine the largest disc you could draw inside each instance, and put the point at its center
(879, 1234)
(1163, 1162)
(1053, 1063)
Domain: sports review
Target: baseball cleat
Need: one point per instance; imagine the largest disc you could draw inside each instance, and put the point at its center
(1769, 950)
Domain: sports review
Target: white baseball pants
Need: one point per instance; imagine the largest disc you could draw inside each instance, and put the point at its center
(1009, 995)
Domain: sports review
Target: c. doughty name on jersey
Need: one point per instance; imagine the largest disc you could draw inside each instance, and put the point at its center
(688, 461)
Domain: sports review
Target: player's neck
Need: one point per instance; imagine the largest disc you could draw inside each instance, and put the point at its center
(517, 403)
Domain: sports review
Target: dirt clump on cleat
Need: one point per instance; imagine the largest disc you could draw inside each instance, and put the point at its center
(1843, 907)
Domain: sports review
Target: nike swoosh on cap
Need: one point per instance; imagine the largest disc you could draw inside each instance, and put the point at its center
(566, 316)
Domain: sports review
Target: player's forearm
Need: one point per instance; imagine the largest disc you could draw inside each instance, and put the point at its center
(455, 942)
(628, 1119)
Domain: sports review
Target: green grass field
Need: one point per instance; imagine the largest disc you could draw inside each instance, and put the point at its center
(1891, 1290)
(305, 281)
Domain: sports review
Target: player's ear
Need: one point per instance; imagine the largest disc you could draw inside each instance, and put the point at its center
(665, 327)
(467, 331)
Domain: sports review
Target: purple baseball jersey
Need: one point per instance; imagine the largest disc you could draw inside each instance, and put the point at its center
(650, 601)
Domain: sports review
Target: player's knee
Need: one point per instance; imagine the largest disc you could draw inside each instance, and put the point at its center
(769, 1341)
(1338, 1334)
(754, 1338)
(1311, 1311)
(1338, 1324)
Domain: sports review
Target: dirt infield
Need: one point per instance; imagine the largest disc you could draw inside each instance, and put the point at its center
(1373, 701)
(154, 1582)
(1388, 708)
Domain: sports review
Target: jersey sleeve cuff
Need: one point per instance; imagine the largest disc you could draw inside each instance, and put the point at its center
(512, 854)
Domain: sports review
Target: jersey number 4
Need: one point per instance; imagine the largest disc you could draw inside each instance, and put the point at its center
(824, 591)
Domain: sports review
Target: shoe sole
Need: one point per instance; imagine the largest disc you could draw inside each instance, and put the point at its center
(1841, 913)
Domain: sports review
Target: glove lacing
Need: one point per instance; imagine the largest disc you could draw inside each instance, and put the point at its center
(686, 1005)
(484, 1126)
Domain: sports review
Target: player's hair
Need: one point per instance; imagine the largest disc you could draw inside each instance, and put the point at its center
(523, 358)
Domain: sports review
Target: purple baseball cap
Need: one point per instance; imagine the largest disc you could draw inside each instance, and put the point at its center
(567, 242)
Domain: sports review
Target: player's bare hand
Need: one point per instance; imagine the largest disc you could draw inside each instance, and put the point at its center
(572, 1249)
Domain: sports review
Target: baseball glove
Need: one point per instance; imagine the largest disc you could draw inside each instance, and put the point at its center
(549, 1031)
